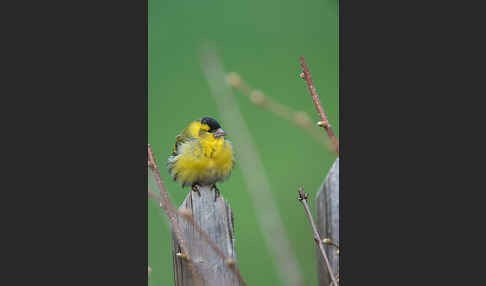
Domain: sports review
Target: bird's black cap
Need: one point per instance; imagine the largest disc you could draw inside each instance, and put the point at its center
(212, 123)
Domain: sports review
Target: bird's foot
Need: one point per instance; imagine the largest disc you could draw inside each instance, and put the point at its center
(216, 192)
(195, 187)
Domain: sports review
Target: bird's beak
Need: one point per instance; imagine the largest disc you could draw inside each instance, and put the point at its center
(218, 133)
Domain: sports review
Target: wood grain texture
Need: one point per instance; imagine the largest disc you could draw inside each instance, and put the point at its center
(216, 218)
(327, 220)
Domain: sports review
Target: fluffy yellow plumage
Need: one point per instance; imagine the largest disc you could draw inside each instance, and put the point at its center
(201, 155)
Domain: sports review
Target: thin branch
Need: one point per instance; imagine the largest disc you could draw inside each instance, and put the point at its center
(303, 199)
(229, 262)
(299, 118)
(170, 211)
(153, 195)
(324, 122)
(337, 279)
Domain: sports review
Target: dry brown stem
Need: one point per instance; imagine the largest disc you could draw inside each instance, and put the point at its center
(337, 279)
(230, 263)
(303, 199)
(170, 211)
(315, 98)
(153, 195)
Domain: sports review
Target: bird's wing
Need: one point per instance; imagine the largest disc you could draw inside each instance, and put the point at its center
(182, 138)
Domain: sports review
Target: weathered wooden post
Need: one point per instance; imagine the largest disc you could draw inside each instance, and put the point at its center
(327, 206)
(216, 219)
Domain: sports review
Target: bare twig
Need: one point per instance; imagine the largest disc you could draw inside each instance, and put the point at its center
(299, 118)
(324, 122)
(229, 262)
(303, 199)
(153, 195)
(170, 211)
(337, 279)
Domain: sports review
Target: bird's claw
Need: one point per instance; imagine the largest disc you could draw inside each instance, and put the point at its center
(195, 187)
(216, 192)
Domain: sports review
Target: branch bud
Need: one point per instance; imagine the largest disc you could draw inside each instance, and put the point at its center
(185, 212)
(182, 255)
(233, 79)
(257, 97)
(324, 124)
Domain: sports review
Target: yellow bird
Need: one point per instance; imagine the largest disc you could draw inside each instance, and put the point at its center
(201, 155)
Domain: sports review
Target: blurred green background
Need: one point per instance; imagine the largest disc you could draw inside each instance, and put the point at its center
(262, 41)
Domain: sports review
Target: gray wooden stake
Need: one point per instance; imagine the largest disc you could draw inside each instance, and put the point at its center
(216, 218)
(327, 220)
